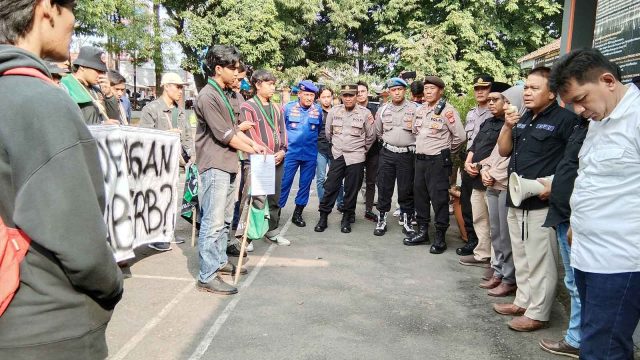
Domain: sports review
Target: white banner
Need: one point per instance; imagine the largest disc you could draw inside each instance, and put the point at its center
(140, 168)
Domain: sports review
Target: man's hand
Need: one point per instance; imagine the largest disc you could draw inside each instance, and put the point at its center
(245, 125)
(111, 122)
(176, 130)
(470, 169)
(570, 236)
(279, 157)
(105, 86)
(259, 149)
(544, 195)
(487, 180)
(511, 117)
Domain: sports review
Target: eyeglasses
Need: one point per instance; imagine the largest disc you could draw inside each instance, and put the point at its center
(492, 99)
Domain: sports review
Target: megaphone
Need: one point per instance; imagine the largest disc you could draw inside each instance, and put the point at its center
(521, 189)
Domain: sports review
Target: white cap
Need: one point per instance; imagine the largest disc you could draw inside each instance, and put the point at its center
(172, 78)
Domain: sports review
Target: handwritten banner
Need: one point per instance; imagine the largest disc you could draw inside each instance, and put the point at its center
(140, 168)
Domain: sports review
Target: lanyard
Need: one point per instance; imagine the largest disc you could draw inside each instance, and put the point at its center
(276, 136)
(224, 98)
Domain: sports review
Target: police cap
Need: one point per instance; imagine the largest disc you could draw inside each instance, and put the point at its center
(434, 80)
(351, 89)
(482, 80)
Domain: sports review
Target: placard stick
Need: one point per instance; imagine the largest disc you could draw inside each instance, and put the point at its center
(243, 247)
(194, 218)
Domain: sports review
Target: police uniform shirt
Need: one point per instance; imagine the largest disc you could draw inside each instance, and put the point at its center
(539, 146)
(394, 124)
(303, 126)
(475, 118)
(437, 132)
(350, 132)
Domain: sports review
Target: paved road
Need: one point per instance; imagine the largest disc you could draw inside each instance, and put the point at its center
(328, 296)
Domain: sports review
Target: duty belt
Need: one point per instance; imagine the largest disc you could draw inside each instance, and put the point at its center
(399, 149)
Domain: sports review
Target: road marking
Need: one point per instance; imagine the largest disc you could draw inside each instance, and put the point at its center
(217, 325)
(134, 341)
(155, 277)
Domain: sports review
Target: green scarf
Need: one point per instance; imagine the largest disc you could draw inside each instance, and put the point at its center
(77, 91)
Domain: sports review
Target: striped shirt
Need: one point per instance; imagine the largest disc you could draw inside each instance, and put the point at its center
(273, 138)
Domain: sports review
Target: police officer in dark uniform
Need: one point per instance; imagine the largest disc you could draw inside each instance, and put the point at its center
(394, 126)
(439, 132)
(351, 131)
(371, 161)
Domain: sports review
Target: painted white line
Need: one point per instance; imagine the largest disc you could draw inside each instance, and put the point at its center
(140, 335)
(155, 277)
(217, 325)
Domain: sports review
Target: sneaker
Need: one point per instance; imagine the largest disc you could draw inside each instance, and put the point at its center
(250, 247)
(396, 213)
(280, 240)
(217, 286)
(160, 246)
(559, 348)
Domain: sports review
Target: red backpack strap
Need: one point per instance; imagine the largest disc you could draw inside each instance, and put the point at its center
(27, 71)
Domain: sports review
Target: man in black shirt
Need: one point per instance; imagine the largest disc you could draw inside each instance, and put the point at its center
(325, 98)
(536, 143)
(371, 162)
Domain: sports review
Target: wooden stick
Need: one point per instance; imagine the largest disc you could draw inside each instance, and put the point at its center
(243, 246)
(194, 219)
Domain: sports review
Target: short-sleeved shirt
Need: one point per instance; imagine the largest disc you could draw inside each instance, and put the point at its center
(351, 133)
(484, 143)
(437, 132)
(324, 146)
(475, 118)
(565, 176)
(539, 146)
(394, 123)
(216, 128)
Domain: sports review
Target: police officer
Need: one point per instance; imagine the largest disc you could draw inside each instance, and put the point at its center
(475, 118)
(439, 132)
(372, 158)
(350, 128)
(303, 119)
(394, 126)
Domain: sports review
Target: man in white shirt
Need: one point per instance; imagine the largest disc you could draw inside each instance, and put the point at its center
(605, 252)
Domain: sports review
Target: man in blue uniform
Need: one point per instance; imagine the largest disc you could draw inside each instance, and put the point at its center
(303, 119)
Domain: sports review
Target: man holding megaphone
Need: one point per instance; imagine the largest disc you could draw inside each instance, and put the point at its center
(536, 142)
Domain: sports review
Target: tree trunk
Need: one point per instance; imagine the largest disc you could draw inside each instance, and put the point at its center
(360, 51)
(157, 47)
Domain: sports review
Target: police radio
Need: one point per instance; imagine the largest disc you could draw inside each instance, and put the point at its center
(440, 106)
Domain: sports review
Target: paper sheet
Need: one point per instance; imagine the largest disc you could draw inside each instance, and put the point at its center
(263, 174)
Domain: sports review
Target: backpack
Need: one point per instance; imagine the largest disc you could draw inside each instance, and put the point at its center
(14, 243)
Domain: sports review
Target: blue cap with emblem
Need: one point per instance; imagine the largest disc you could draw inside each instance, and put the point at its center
(307, 85)
(396, 81)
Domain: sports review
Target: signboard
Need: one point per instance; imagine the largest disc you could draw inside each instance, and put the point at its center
(617, 34)
(140, 169)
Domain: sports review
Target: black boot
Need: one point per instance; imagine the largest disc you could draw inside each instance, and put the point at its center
(345, 224)
(297, 217)
(381, 226)
(467, 249)
(407, 228)
(439, 245)
(419, 238)
(322, 223)
(352, 218)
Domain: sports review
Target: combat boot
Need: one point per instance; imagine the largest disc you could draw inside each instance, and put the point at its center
(381, 226)
(345, 223)
(297, 216)
(418, 238)
(467, 249)
(439, 245)
(322, 223)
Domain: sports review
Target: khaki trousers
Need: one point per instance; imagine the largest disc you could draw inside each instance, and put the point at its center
(535, 260)
(481, 224)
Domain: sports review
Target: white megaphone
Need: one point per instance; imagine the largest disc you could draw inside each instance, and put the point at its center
(521, 189)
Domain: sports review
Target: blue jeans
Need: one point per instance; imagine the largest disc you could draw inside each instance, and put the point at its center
(610, 314)
(573, 332)
(321, 176)
(216, 196)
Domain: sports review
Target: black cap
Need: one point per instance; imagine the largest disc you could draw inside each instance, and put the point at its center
(499, 87)
(482, 80)
(434, 80)
(55, 69)
(349, 89)
(93, 58)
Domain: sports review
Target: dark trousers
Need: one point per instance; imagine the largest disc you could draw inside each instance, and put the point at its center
(236, 208)
(609, 314)
(400, 166)
(371, 173)
(431, 187)
(465, 203)
(352, 176)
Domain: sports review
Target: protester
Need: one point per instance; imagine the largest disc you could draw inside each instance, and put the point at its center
(325, 99)
(303, 119)
(475, 118)
(269, 130)
(351, 131)
(371, 160)
(89, 87)
(484, 140)
(501, 281)
(53, 192)
(217, 143)
(604, 203)
(417, 92)
(118, 85)
(56, 72)
(536, 142)
(439, 133)
(394, 125)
